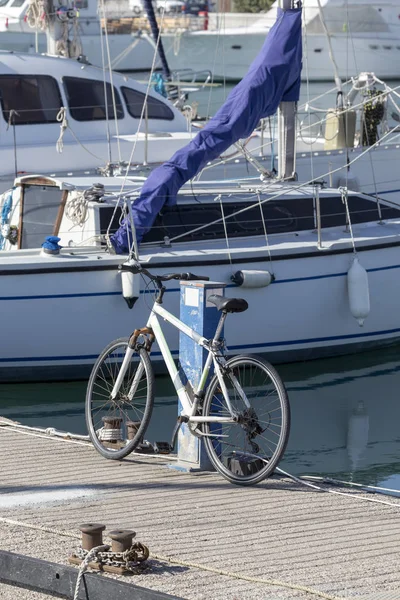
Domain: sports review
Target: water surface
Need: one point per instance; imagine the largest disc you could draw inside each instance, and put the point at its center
(345, 414)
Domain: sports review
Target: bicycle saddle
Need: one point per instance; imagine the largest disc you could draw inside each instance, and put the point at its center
(230, 305)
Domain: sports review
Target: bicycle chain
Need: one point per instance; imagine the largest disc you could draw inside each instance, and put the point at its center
(129, 559)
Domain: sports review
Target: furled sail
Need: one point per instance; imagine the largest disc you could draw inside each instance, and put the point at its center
(274, 76)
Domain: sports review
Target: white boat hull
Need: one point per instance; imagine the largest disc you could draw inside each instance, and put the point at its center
(140, 58)
(229, 55)
(55, 323)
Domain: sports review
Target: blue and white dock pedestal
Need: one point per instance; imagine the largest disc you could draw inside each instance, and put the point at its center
(203, 317)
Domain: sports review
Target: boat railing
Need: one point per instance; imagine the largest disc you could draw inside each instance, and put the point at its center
(189, 76)
(175, 23)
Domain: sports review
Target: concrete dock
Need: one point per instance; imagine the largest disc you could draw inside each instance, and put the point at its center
(207, 538)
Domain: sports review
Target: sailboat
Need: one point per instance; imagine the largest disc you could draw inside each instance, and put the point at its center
(58, 115)
(23, 26)
(363, 34)
(317, 265)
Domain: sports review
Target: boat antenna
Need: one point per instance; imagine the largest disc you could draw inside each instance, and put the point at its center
(157, 37)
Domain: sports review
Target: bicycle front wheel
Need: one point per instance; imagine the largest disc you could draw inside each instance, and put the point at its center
(247, 451)
(117, 426)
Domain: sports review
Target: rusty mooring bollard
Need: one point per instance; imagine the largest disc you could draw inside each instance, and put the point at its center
(121, 539)
(111, 431)
(132, 427)
(92, 535)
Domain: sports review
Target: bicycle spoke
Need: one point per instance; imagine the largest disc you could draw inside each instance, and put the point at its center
(252, 446)
(116, 425)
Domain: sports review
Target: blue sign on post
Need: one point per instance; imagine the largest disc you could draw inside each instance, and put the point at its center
(203, 317)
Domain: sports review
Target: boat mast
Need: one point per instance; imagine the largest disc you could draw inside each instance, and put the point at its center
(157, 37)
(287, 112)
(59, 20)
(54, 29)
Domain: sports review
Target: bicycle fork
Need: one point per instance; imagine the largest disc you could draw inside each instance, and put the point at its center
(127, 359)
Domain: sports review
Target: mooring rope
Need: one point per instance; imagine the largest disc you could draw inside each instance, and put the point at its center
(177, 561)
(223, 572)
(84, 565)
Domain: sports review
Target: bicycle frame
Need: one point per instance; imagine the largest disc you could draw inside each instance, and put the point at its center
(189, 406)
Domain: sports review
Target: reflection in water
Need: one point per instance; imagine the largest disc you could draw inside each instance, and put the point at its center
(345, 415)
(357, 435)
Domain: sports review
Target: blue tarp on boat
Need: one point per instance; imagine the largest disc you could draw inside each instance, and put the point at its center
(274, 76)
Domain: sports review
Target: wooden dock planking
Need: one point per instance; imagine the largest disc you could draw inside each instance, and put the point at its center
(279, 529)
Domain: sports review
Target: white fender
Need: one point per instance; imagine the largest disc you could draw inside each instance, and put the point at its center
(130, 286)
(252, 279)
(358, 290)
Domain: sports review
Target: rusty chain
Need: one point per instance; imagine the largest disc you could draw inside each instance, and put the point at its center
(129, 559)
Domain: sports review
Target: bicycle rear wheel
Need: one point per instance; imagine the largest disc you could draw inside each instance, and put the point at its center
(116, 427)
(247, 451)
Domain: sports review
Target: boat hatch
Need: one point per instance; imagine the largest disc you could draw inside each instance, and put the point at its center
(41, 205)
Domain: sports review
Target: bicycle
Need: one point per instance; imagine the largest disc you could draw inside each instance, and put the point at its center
(242, 414)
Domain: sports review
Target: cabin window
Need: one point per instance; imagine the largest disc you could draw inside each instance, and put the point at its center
(156, 109)
(80, 4)
(17, 3)
(35, 98)
(362, 210)
(281, 216)
(3, 2)
(182, 219)
(86, 99)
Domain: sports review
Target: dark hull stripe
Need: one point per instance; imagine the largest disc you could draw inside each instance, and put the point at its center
(95, 294)
(52, 296)
(201, 263)
(337, 338)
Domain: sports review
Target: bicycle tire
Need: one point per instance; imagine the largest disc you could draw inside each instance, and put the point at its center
(128, 416)
(235, 448)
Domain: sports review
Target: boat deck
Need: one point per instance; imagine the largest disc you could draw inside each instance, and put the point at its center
(223, 542)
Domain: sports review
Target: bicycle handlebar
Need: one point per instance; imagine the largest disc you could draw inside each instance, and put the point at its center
(135, 269)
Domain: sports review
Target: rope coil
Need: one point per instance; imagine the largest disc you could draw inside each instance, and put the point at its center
(76, 209)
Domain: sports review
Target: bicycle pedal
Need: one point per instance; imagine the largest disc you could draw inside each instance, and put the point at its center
(145, 448)
(162, 448)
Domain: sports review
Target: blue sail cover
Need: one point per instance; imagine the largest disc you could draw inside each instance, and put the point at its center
(274, 76)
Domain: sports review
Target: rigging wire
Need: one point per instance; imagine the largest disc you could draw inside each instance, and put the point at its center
(103, 62)
(219, 198)
(265, 233)
(307, 86)
(345, 197)
(102, 4)
(274, 196)
(338, 81)
(142, 113)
